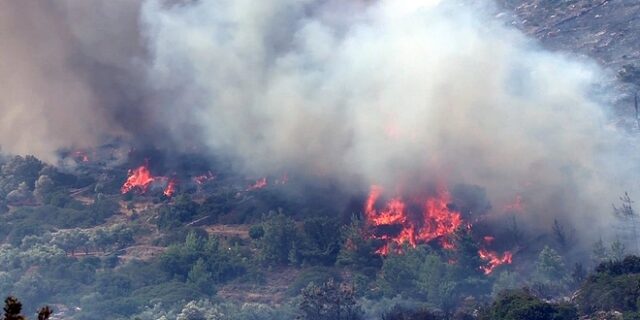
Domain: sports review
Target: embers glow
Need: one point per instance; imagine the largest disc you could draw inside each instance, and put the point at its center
(436, 221)
(494, 260)
(516, 206)
(202, 179)
(81, 156)
(259, 184)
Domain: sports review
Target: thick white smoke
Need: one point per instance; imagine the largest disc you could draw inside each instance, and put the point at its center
(400, 93)
(395, 93)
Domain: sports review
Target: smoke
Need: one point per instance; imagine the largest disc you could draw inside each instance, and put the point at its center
(397, 93)
(68, 73)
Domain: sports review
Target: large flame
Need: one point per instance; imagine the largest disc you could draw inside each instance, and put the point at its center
(139, 178)
(437, 220)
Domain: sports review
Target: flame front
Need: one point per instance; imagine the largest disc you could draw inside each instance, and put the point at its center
(437, 221)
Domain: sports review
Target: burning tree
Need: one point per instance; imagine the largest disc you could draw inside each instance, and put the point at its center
(428, 220)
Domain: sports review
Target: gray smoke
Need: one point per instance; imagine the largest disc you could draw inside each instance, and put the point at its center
(392, 92)
(70, 73)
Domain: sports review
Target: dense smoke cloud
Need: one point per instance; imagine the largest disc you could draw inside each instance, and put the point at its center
(68, 73)
(392, 92)
(396, 93)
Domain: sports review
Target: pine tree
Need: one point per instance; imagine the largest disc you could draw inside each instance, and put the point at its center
(599, 252)
(627, 216)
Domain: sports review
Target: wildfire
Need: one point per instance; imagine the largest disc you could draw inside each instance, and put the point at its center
(437, 221)
(516, 206)
(141, 178)
(202, 179)
(394, 224)
(494, 260)
(259, 184)
(170, 189)
(81, 156)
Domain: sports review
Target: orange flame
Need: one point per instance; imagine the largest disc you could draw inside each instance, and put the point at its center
(494, 260)
(170, 189)
(139, 178)
(437, 220)
(259, 184)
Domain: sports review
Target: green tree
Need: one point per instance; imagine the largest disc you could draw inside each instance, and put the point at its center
(320, 241)
(627, 217)
(522, 305)
(400, 272)
(506, 281)
(256, 232)
(599, 252)
(329, 301)
(439, 282)
(44, 186)
(465, 254)
(280, 234)
(357, 250)
(617, 250)
(201, 277)
(550, 272)
(70, 240)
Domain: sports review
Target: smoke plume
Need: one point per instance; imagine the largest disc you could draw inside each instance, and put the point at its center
(397, 93)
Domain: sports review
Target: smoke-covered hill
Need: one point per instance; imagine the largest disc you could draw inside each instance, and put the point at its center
(284, 159)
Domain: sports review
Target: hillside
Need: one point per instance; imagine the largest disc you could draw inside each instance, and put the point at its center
(287, 161)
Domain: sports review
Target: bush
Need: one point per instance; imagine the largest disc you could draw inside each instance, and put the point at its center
(629, 265)
(522, 305)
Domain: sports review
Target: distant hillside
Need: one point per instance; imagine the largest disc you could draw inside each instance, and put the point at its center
(608, 31)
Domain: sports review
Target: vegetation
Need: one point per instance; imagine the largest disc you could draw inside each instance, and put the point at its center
(71, 240)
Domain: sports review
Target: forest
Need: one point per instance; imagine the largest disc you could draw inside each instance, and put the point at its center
(222, 248)
(320, 159)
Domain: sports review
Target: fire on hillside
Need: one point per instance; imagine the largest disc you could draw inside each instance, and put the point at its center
(421, 220)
